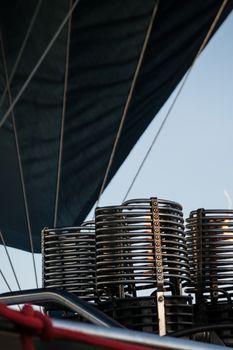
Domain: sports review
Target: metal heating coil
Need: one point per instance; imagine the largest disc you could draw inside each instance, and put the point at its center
(69, 260)
(134, 250)
(210, 249)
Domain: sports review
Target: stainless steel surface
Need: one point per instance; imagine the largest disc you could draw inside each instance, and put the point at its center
(9, 338)
(62, 299)
(137, 337)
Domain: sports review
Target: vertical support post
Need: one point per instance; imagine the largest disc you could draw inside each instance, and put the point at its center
(199, 255)
(158, 267)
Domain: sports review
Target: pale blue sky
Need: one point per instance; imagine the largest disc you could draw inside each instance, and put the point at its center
(192, 161)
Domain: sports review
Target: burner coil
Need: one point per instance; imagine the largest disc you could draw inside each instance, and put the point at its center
(139, 245)
(210, 249)
(69, 260)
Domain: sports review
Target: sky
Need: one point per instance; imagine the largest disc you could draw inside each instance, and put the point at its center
(191, 162)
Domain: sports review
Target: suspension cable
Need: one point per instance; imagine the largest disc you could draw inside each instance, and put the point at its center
(7, 284)
(19, 164)
(21, 51)
(5, 280)
(206, 39)
(62, 121)
(129, 97)
(39, 62)
(10, 261)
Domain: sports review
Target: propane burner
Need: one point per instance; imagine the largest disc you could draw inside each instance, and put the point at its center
(69, 259)
(210, 249)
(138, 266)
(140, 249)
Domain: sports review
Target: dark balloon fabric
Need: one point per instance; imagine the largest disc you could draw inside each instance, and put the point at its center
(103, 49)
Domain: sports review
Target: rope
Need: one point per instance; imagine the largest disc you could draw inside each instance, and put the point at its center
(24, 43)
(207, 37)
(62, 121)
(36, 67)
(129, 98)
(33, 323)
(20, 169)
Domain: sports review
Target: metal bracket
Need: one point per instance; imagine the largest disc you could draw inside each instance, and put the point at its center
(159, 267)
